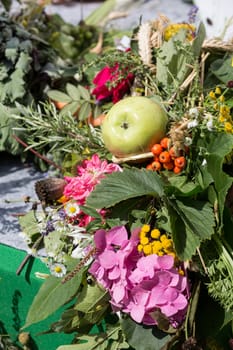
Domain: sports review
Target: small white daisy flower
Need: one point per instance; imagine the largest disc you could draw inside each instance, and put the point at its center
(71, 209)
(58, 270)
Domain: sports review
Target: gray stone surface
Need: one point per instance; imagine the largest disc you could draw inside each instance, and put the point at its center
(16, 179)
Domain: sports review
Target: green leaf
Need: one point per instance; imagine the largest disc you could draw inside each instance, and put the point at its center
(180, 186)
(84, 93)
(53, 243)
(24, 62)
(52, 295)
(90, 211)
(93, 301)
(222, 69)
(29, 226)
(172, 63)
(129, 183)
(84, 111)
(73, 92)
(7, 123)
(57, 95)
(192, 221)
(198, 41)
(142, 337)
(219, 146)
(71, 108)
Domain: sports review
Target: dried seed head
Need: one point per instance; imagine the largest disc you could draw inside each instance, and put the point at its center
(50, 189)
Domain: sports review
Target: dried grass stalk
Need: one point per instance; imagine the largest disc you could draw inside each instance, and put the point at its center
(217, 45)
(144, 43)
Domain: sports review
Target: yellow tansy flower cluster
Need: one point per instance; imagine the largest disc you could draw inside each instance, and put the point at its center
(173, 29)
(224, 116)
(152, 241)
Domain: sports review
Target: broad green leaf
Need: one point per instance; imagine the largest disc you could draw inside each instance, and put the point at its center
(143, 337)
(192, 221)
(222, 69)
(90, 211)
(73, 92)
(71, 108)
(57, 95)
(182, 187)
(52, 295)
(172, 64)
(129, 183)
(93, 301)
(84, 93)
(218, 147)
(84, 111)
(198, 41)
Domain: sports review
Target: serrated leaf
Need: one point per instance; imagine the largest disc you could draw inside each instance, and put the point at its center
(57, 95)
(192, 221)
(52, 295)
(24, 62)
(218, 147)
(73, 92)
(129, 183)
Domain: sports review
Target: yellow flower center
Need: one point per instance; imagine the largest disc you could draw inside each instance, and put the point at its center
(58, 269)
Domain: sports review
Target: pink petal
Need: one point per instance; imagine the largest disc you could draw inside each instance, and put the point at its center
(100, 240)
(165, 262)
(117, 235)
(107, 259)
(137, 313)
(114, 273)
(118, 293)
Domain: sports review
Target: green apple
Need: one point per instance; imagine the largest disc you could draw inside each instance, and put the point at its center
(133, 125)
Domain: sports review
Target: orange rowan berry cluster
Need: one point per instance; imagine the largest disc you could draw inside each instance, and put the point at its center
(166, 156)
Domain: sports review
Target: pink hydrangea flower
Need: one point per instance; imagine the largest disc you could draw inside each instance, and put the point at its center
(137, 284)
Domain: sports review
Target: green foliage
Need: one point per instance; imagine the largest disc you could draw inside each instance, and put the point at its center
(59, 134)
(52, 295)
(78, 101)
(131, 183)
(143, 337)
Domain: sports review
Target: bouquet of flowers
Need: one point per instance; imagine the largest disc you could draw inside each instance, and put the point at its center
(136, 225)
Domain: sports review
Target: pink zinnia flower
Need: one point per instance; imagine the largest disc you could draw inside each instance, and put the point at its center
(90, 173)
